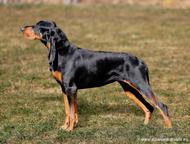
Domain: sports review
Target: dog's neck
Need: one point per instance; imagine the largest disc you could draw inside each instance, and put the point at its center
(61, 45)
(62, 49)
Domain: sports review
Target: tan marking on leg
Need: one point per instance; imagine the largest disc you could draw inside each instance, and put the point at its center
(72, 114)
(67, 112)
(76, 112)
(141, 105)
(148, 116)
(167, 120)
(152, 103)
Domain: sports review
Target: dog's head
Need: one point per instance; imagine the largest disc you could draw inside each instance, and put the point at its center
(46, 31)
(50, 35)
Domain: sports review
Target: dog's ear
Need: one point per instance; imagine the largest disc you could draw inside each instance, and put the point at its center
(52, 56)
(61, 35)
(48, 36)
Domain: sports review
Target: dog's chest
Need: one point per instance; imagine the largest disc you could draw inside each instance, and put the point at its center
(57, 75)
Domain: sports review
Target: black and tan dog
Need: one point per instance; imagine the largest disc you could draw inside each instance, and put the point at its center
(76, 68)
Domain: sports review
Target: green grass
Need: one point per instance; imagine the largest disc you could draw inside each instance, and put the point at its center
(31, 103)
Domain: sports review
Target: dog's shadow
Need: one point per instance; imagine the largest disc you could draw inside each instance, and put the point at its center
(87, 108)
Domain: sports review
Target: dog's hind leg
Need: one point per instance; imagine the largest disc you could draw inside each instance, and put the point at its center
(147, 111)
(139, 100)
(150, 98)
(165, 114)
(148, 94)
(163, 110)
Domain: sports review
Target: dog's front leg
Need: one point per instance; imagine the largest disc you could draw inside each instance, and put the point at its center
(70, 106)
(67, 112)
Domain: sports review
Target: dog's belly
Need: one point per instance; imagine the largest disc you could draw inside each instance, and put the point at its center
(92, 84)
(99, 73)
(96, 80)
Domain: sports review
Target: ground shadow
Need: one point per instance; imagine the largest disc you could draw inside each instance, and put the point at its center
(88, 108)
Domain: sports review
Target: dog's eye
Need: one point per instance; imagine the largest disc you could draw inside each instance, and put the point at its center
(41, 30)
(52, 33)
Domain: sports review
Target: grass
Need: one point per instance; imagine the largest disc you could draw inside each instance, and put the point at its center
(31, 103)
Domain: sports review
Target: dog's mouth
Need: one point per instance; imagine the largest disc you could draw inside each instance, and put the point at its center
(29, 33)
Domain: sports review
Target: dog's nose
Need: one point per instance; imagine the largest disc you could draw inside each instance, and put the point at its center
(22, 28)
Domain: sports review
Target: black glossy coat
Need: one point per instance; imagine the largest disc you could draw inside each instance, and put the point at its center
(82, 68)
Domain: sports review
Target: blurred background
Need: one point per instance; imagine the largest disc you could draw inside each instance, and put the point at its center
(165, 3)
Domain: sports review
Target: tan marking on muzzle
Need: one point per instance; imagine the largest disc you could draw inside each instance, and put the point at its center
(30, 34)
